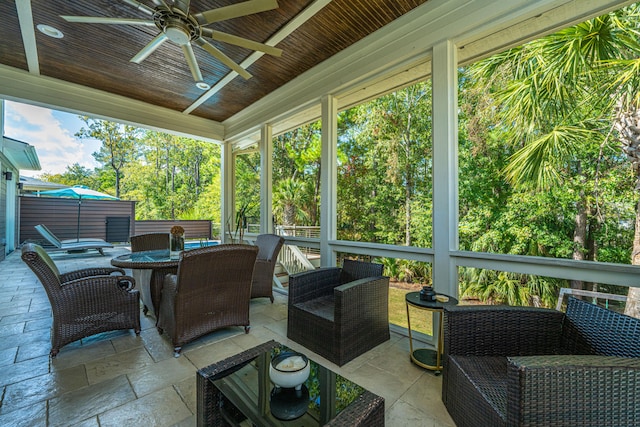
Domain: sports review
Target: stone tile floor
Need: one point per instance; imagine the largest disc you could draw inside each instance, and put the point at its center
(118, 379)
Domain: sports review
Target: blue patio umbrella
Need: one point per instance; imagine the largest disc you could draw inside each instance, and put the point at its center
(79, 192)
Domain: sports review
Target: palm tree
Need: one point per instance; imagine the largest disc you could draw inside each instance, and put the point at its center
(288, 198)
(555, 93)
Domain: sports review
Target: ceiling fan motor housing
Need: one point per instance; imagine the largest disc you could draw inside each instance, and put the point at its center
(178, 27)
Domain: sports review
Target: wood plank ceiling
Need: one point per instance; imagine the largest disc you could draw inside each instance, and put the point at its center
(98, 55)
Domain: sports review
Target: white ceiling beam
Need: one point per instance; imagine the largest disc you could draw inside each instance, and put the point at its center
(25, 17)
(18, 85)
(284, 32)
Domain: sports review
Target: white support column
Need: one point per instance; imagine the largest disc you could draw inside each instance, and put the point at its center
(266, 179)
(328, 180)
(445, 166)
(227, 190)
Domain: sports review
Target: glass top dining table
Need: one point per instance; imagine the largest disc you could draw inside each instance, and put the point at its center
(146, 260)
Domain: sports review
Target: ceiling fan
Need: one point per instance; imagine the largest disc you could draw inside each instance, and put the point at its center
(178, 25)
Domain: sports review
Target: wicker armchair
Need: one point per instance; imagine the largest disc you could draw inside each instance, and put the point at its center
(268, 249)
(212, 290)
(84, 302)
(150, 281)
(339, 313)
(522, 366)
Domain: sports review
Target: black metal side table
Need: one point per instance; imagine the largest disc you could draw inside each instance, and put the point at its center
(426, 357)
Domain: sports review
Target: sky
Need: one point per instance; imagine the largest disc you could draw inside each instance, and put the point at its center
(52, 134)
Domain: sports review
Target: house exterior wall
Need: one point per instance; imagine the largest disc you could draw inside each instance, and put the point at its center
(7, 246)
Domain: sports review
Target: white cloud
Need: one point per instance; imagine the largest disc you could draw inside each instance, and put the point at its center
(55, 143)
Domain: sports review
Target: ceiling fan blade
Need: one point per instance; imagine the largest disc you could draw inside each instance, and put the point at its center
(161, 3)
(213, 51)
(192, 62)
(241, 41)
(142, 7)
(149, 48)
(235, 10)
(183, 5)
(106, 20)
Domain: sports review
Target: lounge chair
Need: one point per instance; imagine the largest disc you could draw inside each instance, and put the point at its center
(71, 244)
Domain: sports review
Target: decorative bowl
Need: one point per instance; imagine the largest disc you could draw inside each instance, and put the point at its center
(289, 370)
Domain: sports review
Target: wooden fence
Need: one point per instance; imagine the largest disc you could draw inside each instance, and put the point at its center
(110, 220)
(61, 217)
(193, 229)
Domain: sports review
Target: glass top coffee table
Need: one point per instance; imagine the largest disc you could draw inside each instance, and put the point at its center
(238, 391)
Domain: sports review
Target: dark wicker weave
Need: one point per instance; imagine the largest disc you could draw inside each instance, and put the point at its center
(366, 411)
(339, 313)
(269, 247)
(517, 366)
(149, 242)
(212, 290)
(150, 289)
(84, 302)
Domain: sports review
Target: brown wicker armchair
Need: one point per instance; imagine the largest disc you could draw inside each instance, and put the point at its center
(212, 290)
(339, 313)
(523, 366)
(84, 302)
(268, 249)
(150, 281)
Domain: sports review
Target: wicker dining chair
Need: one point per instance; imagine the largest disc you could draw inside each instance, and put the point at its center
(150, 281)
(269, 246)
(149, 242)
(211, 290)
(84, 302)
(339, 313)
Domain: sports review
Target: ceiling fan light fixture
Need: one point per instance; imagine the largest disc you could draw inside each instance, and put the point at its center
(177, 35)
(202, 85)
(50, 31)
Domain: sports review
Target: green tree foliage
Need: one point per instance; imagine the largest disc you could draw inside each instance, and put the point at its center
(176, 178)
(296, 176)
(118, 144)
(247, 189)
(385, 172)
(75, 175)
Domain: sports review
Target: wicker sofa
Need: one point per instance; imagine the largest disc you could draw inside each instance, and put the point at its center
(520, 366)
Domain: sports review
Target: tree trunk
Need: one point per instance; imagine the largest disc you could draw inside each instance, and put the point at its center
(117, 183)
(627, 123)
(632, 307)
(289, 214)
(579, 236)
